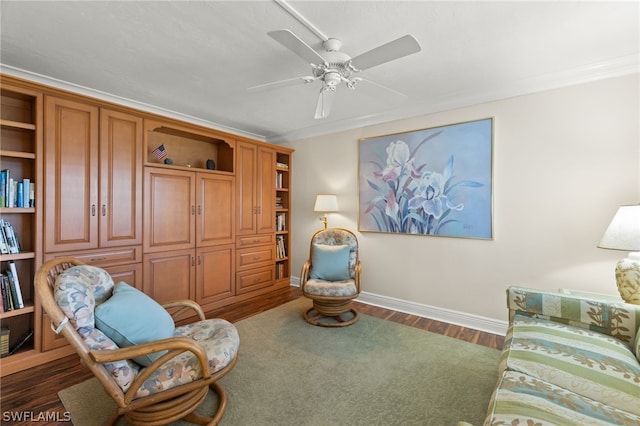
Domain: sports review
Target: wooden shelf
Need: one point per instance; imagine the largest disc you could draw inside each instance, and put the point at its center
(17, 125)
(17, 256)
(28, 309)
(21, 210)
(18, 154)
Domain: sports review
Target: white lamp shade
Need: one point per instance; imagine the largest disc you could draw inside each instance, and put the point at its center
(623, 232)
(326, 203)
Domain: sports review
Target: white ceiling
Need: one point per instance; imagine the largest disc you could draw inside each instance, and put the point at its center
(198, 58)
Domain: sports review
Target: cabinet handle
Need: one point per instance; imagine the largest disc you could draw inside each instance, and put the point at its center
(199, 260)
(200, 210)
(93, 209)
(193, 210)
(104, 210)
(193, 261)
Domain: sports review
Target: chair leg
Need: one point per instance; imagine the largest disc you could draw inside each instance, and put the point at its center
(196, 418)
(316, 317)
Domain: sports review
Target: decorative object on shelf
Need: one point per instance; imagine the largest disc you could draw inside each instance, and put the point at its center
(4, 341)
(623, 233)
(211, 165)
(326, 204)
(168, 161)
(159, 152)
(435, 181)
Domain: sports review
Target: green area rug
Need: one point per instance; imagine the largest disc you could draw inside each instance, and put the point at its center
(374, 372)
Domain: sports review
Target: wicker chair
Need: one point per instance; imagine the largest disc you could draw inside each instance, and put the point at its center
(174, 383)
(331, 278)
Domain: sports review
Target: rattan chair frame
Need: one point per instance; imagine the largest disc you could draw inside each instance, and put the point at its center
(156, 409)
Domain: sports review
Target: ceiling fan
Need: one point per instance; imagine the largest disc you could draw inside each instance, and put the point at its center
(332, 67)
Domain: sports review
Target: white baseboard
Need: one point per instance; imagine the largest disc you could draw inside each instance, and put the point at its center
(475, 322)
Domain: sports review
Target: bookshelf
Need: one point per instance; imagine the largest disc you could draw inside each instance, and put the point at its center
(21, 118)
(283, 216)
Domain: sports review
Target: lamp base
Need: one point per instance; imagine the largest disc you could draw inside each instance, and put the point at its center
(628, 278)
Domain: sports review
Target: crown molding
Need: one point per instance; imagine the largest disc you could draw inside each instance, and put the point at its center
(107, 97)
(615, 67)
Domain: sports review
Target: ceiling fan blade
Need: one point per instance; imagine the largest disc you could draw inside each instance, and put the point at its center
(297, 46)
(390, 94)
(395, 49)
(282, 83)
(325, 100)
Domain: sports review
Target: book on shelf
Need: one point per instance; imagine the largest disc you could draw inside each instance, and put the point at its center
(15, 192)
(14, 283)
(9, 237)
(281, 221)
(4, 176)
(4, 246)
(19, 194)
(32, 194)
(280, 271)
(281, 250)
(11, 193)
(279, 204)
(279, 180)
(282, 165)
(2, 305)
(7, 300)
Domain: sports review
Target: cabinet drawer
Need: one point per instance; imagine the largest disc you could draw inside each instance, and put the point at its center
(255, 240)
(255, 257)
(254, 279)
(106, 257)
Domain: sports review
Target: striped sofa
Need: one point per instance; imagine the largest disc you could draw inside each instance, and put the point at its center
(568, 360)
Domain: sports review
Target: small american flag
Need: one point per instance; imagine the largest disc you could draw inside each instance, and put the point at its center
(159, 152)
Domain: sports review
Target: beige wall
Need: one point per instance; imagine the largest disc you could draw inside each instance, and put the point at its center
(564, 160)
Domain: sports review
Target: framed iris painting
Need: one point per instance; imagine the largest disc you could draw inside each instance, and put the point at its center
(435, 181)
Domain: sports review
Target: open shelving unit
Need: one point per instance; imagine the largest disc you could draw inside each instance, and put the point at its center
(283, 216)
(21, 117)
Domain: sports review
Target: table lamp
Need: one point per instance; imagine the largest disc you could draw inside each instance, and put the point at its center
(623, 233)
(325, 204)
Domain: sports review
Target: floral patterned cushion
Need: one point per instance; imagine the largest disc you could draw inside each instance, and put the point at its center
(582, 361)
(77, 290)
(219, 338)
(331, 288)
(521, 399)
(123, 372)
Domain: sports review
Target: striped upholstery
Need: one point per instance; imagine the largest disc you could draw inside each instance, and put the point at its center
(568, 360)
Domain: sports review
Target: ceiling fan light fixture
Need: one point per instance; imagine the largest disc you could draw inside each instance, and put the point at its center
(332, 78)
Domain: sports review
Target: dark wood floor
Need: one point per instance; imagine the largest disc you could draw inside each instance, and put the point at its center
(35, 391)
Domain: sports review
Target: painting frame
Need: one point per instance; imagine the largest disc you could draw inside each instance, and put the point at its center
(435, 181)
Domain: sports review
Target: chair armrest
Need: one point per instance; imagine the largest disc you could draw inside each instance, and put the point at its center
(614, 318)
(183, 305)
(173, 345)
(304, 275)
(179, 344)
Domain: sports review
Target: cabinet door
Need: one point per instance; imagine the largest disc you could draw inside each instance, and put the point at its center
(120, 179)
(169, 214)
(71, 175)
(215, 274)
(245, 187)
(265, 191)
(169, 276)
(215, 218)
